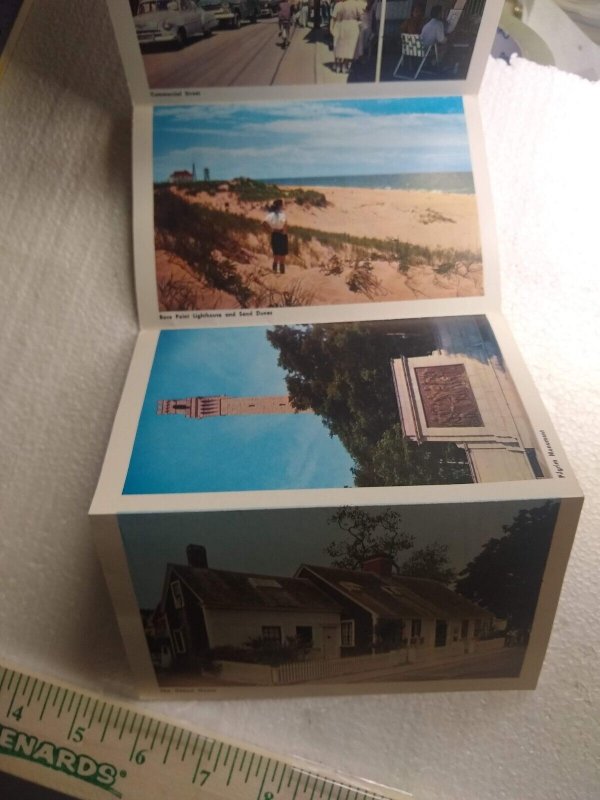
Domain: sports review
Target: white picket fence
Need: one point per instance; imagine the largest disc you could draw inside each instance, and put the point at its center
(321, 669)
(300, 671)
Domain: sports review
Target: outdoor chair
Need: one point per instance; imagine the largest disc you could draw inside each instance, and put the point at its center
(413, 48)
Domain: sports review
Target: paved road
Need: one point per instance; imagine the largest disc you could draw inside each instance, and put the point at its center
(250, 56)
(505, 663)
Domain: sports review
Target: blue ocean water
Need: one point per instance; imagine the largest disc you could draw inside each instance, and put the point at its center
(455, 182)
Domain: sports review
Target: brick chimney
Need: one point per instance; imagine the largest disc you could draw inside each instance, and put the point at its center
(196, 556)
(381, 564)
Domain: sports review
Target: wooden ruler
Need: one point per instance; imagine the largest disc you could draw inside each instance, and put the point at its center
(92, 747)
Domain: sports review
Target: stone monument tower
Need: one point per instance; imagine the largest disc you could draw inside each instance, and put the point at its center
(224, 406)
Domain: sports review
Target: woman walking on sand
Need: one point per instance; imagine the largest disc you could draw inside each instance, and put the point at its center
(276, 223)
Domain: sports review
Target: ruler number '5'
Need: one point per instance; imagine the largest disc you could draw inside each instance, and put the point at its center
(77, 735)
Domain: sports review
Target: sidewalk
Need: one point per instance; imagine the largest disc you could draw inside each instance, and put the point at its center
(308, 60)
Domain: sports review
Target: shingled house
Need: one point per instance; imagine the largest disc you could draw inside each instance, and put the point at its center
(382, 611)
(332, 612)
(210, 608)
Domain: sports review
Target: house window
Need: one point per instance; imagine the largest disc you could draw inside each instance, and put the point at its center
(304, 635)
(441, 632)
(464, 629)
(178, 640)
(272, 633)
(415, 628)
(348, 633)
(177, 594)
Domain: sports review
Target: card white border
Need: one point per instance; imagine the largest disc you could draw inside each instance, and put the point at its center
(109, 498)
(112, 555)
(145, 256)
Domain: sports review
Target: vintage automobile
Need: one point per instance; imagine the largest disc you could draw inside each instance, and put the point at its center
(172, 22)
(269, 8)
(231, 13)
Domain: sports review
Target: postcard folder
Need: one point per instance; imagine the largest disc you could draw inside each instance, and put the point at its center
(329, 471)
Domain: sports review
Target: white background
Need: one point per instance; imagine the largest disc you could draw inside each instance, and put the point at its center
(68, 327)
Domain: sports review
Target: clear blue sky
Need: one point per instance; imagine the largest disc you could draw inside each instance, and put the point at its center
(175, 454)
(312, 138)
(276, 542)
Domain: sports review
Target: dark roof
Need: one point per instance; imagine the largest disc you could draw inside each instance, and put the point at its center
(396, 597)
(216, 588)
(443, 597)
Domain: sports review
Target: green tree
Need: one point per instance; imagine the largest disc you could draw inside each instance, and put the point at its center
(378, 533)
(397, 461)
(342, 371)
(506, 576)
(367, 534)
(430, 562)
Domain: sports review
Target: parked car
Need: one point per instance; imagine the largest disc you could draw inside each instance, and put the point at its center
(231, 13)
(269, 8)
(172, 21)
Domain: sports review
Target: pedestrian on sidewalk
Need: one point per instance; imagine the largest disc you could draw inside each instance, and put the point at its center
(285, 19)
(276, 224)
(303, 18)
(366, 34)
(346, 18)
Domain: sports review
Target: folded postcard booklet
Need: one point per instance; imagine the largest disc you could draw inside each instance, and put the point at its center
(330, 471)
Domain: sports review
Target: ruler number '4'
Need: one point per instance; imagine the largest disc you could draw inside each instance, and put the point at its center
(17, 713)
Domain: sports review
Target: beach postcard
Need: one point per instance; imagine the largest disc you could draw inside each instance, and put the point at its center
(393, 596)
(314, 203)
(274, 44)
(415, 402)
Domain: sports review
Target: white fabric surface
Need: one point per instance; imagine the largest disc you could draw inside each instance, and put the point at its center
(68, 327)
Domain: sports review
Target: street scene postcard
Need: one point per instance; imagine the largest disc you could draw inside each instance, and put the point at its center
(189, 47)
(330, 471)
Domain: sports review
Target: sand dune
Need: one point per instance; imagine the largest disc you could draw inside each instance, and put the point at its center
(429, 219)
(323, 274)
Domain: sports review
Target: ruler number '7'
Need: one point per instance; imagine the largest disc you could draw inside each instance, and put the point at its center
(203, 774)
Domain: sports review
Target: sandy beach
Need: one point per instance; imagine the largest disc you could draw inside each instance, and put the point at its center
(319, 273)
(429, 219)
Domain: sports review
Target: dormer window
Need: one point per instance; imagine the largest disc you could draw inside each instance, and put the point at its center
(395, 590)
(264, 583)
(350, 586)
(177, 594)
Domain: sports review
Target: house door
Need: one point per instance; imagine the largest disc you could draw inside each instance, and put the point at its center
(330, 641)
(441, 632)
